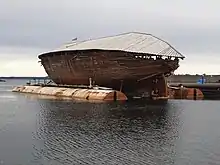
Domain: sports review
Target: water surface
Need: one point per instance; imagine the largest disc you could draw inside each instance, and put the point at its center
(38, 130)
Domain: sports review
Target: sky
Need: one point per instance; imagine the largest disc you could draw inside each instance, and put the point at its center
(28, 28)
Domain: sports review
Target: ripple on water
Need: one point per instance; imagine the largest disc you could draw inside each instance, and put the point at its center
(7, 98)
(67, 132)
(103, 133)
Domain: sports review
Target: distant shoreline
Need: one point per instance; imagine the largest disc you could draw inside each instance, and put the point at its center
(40, 77)
(23, 77)
(184, 78)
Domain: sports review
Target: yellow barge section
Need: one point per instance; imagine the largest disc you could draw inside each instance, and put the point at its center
(74, 93)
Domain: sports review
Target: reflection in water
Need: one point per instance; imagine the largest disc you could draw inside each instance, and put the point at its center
(134, 133)
(70, 132)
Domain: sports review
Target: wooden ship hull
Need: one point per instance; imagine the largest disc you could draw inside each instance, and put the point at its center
(130, 72)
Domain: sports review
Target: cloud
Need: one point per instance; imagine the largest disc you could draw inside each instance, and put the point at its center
(50, 23)
(9, 53)
(18, 61)
(31, 27)
(199, 64)
(22, 68)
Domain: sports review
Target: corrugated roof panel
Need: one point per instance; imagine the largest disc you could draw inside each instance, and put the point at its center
(130, 42)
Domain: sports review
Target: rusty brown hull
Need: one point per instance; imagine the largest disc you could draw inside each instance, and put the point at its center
(107, 68)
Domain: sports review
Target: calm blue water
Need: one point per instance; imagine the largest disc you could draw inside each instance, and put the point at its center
(35, 131)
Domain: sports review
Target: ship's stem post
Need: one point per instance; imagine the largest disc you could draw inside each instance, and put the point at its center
(163, 86)
(159, 87)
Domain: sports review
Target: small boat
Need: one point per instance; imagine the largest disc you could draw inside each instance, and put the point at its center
(1, 80)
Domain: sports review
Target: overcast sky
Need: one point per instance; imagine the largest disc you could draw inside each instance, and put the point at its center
(29, 27)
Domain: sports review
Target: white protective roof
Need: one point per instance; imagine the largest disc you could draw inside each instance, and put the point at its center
(135, 42)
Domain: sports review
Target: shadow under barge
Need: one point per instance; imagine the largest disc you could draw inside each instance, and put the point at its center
(135, 63)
